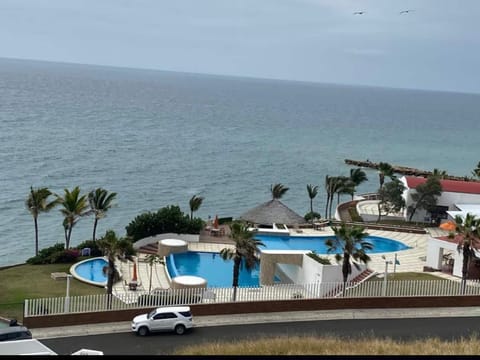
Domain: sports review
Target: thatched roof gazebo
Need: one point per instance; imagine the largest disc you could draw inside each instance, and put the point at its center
(273, 211)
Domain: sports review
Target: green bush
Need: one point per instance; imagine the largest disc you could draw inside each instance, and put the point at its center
(169, 219)
(93, 245)
(44, 255)
(64, 256)
(312, 215)
(320, 259)
(354, 214)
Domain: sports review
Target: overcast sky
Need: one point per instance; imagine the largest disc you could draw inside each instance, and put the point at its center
(435, 46)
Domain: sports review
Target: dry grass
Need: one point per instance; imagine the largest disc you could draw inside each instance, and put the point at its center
(297, 345)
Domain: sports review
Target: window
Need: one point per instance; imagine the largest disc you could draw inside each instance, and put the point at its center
(186, 313)
(164, 316)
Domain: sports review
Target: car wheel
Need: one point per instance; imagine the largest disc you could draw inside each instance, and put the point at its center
(179, 329)
(143, 331)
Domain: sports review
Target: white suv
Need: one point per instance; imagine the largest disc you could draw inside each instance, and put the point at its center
(169, 318)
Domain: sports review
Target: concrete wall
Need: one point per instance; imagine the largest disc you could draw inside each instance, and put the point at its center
(435, 250)
(311, 271)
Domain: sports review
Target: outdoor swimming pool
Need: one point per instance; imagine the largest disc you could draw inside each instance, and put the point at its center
(219, 273)
(210, 266)
(90, 271)
(317, 243)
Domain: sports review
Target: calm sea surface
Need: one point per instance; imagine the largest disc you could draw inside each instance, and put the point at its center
(157, 138)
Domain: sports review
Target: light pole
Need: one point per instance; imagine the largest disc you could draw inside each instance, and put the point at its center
(67, 297)
(385, 277)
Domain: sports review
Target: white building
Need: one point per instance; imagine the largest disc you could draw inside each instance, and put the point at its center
(454, 192)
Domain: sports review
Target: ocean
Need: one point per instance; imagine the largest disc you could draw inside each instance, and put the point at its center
(158, 138)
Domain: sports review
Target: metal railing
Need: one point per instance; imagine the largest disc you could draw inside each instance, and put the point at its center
(142, 299)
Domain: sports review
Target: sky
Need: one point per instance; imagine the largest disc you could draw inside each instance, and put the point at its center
(436, 46)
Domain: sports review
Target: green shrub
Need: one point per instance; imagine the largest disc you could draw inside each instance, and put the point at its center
(93, 245)
(64, 256)
(44, 255)
(354, 214)
(169, 219)
(320, 259)
(312, 215)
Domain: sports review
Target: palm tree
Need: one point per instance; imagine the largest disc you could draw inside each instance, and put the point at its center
(74, 207)
(312, 192)
(112, 247)
(476, 171)
(195, 203)
(349, 246)
(441, 174)
(344, 186)
(278, 190)
(244, 254)
(100, 202)
(336, 186)
(357, 177)
(328, 190)
(37, 202)
(153, 259)
(468, 229)
(384, 169)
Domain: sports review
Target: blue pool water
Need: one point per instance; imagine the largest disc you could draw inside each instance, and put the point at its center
(219, 272)
(92, 270)
(210, 266)
(317, 243)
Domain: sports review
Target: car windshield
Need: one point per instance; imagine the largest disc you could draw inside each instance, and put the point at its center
(186, 313)
(150, 314)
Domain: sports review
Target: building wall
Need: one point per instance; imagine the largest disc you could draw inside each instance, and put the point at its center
(435, 250)
(446, 199)
(312, 271)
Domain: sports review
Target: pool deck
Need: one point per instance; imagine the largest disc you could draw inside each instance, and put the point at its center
(411, 260)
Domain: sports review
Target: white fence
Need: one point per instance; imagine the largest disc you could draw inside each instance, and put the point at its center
(141, 299)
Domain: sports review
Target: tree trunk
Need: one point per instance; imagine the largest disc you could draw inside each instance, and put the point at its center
(36, 235)
(67, 244)
(466, 259)
(236, 273)
(94, 228)
(412, 213)
(345, 271)
(326, 206)
(379, 213)
(151, 273)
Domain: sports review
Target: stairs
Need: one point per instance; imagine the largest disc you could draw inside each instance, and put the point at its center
(148, 249)
(368, 273)
(364, 275)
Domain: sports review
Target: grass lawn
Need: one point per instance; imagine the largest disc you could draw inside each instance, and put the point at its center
(408, 276)
(34, 281)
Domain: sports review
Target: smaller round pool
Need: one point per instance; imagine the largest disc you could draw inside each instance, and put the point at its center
(90, 271)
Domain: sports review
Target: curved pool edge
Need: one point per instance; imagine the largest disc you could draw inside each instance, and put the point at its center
(82, 279)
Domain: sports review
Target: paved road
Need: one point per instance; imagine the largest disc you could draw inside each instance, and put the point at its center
(123, 342)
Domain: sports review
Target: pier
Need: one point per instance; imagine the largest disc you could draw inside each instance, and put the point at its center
(405, 170)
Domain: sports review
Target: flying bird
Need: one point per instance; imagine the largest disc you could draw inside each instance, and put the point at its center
(359, 13)
(405, 11)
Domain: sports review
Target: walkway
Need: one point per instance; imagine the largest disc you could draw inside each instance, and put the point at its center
(258, 318)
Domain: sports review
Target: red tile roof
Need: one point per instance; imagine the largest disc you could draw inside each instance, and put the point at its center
(468, 187)
(456, 239)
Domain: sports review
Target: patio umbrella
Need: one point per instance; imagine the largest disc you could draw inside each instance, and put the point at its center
(134, 278)
(449, 226)
(215, 222)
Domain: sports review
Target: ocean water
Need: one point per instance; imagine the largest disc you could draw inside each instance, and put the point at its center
(157, 138)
